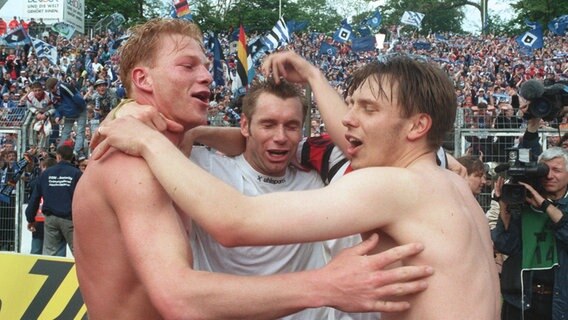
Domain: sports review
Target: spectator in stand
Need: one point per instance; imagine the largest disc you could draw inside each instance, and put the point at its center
(8, 104)
(24, 24)
(475, 173)
(505, 120)
(33, 28)
(13, 24)
(3, 27)
(105, 99)
(70, 108)
(41, 110)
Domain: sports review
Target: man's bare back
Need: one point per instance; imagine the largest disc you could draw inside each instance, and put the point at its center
(442, 213)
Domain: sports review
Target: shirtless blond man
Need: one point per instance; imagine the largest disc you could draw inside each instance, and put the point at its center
(399, 112)
(131, 240)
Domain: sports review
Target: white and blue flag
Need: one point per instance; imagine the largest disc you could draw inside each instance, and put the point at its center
(45, 50)
(532, 39)
(412, 18)
(277, 36)
(558, 25)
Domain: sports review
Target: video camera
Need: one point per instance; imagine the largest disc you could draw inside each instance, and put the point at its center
(545, 102)
(520, 169)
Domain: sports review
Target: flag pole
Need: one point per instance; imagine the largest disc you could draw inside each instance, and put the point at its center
(279, 9)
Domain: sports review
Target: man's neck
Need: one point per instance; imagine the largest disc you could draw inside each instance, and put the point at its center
(174, 137)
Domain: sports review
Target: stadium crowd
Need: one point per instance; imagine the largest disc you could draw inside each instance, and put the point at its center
(487, 71)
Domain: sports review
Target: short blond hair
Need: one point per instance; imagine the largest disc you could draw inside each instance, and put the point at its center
(143, 43)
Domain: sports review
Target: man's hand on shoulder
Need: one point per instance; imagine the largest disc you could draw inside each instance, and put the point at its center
(148, 114)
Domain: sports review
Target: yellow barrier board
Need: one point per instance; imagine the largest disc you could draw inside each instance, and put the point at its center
(39, 287)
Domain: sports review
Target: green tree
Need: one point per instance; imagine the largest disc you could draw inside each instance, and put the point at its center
(261, 15)
(134, 10)
(440, 16)
(539, 10)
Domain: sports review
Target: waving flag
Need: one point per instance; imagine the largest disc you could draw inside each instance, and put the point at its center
(412, 18)
(64, 29)
(364, 44)
(532, 39)
(278, 35)
(558, 25)
(363, 29)
(328, 49)
(217, 64)
(45, 50)
(294, 25)
(17, 37)
(375, 20)
(344, 33)
(182, 8)
(245, 67)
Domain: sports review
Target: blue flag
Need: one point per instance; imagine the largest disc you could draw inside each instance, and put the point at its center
(328, 49)
(532, 24)
(17, 37)
(558, 25)
(364, 44)
(440, 38)
(294, 25)
(217, 64)
(364, 30)
(422, 45)
(375, 20)
(344, 33)
(532, 39)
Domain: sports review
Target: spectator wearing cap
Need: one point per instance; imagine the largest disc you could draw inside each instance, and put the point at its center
(70, 108)
(8, 104)
(105, 99)
(480, 96)
(23, 79)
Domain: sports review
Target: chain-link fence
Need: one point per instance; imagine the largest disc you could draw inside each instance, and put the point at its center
(12, 138)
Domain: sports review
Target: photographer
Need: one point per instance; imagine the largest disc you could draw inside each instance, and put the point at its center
(534, 279)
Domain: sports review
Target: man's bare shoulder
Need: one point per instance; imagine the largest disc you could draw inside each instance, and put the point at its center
(118, 173)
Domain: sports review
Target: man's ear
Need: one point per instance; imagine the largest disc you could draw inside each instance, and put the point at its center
(421, 124)
(141, 79)
(245, 126)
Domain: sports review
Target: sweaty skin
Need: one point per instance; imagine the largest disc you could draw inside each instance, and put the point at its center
(397, 190)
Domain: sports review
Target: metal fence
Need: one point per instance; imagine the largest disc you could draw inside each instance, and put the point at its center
(11, 133)
(493, 144)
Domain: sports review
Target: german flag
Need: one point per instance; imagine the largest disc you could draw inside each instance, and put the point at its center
(182, 8)
(242, 57)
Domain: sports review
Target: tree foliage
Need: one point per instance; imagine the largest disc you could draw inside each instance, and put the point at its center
(323, 16)
(440, 16)
(261, 15)
(133, 10)
(539, 10)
